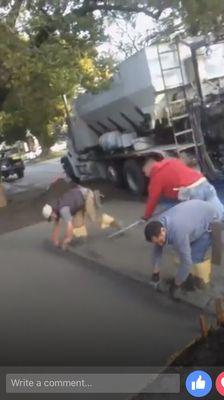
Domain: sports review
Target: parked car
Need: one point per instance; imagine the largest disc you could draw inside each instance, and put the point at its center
(11, 163)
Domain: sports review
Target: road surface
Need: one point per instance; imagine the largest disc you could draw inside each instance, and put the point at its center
(37, 175)
(57, 309)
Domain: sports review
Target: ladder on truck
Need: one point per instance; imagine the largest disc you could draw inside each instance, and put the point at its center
(189, 133)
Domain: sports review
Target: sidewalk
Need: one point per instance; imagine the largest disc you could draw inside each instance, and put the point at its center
(129, 255)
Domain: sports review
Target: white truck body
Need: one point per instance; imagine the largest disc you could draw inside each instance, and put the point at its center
(136, 89)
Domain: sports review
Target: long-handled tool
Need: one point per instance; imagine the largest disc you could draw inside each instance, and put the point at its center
(134, 224)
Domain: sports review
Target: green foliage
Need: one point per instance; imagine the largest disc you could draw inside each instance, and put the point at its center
(35, 71)
(204, 16)
(48, 48)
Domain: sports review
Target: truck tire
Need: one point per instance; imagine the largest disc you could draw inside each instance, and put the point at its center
(20, 174)
(115, 174)
(69, 170)
(134, 178)
(5, 175)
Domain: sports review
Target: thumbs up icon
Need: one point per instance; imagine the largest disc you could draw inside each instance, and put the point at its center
(199, 384)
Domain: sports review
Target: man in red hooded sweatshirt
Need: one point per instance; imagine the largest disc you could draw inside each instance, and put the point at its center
(174, 180)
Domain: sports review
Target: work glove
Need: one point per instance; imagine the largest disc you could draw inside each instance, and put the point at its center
(65, 244)
(155, 277)
(155, 280)
(56, 243)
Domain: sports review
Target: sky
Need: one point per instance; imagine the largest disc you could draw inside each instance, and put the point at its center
(144, 26)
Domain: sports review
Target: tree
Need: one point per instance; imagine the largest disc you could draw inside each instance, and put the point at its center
(36, 72)
(48, 48)
(42, 56)
(197, 15)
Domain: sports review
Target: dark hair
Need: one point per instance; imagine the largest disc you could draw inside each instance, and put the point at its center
(150, 159)
(152, 229)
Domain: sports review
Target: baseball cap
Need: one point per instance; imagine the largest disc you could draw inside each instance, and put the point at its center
(47, 211)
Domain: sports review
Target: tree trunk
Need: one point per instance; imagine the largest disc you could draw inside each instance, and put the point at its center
(45, 142)
(14, 13)
(3, 201)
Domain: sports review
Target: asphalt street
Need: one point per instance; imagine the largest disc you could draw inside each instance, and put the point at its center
(37, 175)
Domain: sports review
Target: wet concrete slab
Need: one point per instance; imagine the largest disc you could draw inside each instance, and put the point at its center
(130, 255)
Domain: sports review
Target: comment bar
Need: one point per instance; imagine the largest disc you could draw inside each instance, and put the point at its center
(93, 383)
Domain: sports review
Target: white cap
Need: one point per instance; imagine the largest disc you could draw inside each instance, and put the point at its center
(47, 211)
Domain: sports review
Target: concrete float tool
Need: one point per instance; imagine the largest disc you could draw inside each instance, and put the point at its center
(121, 231)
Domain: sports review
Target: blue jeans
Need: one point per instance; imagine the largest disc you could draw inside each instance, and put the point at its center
(164, 205)
(200, 247)
(205, 191)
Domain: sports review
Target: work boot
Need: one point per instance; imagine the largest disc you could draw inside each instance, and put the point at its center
(199, 283)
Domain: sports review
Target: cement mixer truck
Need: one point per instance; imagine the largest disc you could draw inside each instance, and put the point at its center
(165, 101)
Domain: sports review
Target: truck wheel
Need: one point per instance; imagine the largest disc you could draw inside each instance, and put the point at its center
(115, 174)
(5, 176)
(69, 170)
(20, 174)
(134, 177)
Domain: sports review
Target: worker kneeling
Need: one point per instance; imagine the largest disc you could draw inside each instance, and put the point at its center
(187, 228)
(67, 208)
(173, 180)
(73, 208)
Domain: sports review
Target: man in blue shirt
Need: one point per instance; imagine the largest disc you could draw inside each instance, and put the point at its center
(187, 228)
